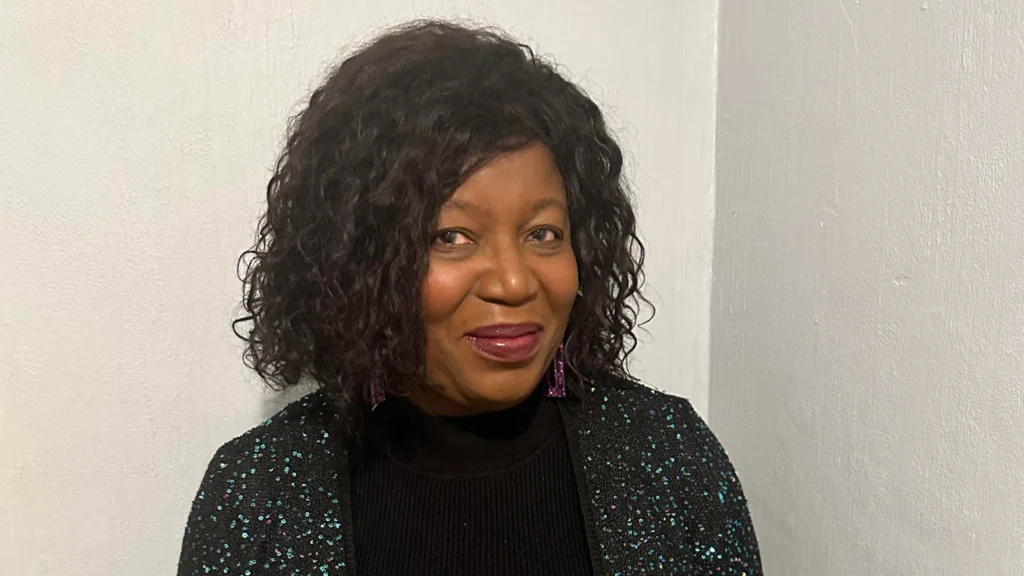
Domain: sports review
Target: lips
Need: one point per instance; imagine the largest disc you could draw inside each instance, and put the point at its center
(506, 342)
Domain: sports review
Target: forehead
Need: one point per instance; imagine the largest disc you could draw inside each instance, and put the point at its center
(522, 181)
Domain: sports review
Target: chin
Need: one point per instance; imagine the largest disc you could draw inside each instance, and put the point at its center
(504, 390)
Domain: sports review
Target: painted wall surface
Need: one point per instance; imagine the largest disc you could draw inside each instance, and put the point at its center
(867, 320)
(136, 141)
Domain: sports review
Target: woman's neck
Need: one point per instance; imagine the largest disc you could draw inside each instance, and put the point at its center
(463, 445)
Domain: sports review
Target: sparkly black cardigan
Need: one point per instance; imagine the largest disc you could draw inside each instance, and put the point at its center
(658, 493)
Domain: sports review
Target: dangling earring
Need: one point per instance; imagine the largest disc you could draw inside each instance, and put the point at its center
(556, 379)
(376, 394)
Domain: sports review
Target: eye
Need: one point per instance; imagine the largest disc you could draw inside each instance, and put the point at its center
(545, 234)
(450, 238)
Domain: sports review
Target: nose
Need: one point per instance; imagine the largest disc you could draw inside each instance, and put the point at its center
(508, 279)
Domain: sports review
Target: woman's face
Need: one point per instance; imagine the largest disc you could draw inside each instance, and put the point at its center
(500, 286)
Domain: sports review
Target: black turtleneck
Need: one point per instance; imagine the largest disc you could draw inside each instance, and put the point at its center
(493, 494)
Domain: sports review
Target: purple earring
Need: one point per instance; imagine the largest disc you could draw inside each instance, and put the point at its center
(556, 379)
(376, 394)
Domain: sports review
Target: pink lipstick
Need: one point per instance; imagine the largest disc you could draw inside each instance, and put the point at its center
(506, 342)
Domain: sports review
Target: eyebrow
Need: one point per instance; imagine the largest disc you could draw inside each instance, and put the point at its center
(543, 203)
(538, 205)
(453, 204)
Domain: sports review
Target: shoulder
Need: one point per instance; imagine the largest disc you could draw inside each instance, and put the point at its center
(300, 432)
(654, 427)
(646, 424)
(307, 423)
(626, 404)
(259, 480)
(649, 455)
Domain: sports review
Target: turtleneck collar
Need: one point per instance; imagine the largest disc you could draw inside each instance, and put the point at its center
(467, 445)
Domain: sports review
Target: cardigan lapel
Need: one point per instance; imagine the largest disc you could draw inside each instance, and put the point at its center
(573, 411)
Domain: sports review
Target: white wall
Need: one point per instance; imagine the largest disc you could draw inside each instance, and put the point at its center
(867, 324)
(136, 140)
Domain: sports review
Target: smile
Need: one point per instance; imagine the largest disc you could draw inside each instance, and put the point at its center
(506, 342)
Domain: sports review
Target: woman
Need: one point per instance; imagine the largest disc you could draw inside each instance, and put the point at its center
(449, 253)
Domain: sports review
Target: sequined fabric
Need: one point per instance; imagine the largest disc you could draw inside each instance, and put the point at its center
(273, 501)
(664, 495)
(658, 493)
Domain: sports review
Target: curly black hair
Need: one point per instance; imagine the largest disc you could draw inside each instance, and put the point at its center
(332, 286)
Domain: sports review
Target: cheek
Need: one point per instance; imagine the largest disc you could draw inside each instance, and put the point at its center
(560, 281)
(444, 289)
